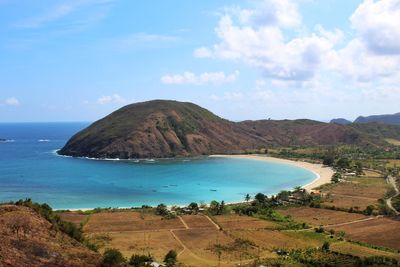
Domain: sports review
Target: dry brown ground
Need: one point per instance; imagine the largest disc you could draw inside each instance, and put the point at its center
(318, 217)
(356, 192)
(140, 233)
(380, 232)
(74, 217)
(119, 221)
(37, 242)
(155, 243)
(230, 222)
(361, 251)
(198, 221)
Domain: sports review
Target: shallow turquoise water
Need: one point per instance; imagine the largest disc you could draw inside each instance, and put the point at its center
(30, 168)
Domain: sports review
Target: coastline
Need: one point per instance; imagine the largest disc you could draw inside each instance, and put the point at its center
(324, 174)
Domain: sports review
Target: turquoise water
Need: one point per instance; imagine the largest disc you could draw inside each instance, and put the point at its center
(30, 168)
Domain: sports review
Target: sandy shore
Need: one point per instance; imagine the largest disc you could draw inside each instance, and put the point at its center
(324, 174)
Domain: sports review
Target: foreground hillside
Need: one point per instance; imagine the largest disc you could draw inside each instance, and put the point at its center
(162, 128)
(28, 239)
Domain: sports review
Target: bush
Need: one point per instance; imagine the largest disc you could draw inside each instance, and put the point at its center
(326, 246)
(170, 258)
(140, 260)
(112, 257)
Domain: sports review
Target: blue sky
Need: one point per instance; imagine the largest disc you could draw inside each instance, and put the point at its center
(78, 60)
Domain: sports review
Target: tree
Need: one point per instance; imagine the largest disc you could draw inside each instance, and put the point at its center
(369, 210)
(221, 208)
(112, 257)
(359, 168)
(171, 258)
(328, 159)
(343, 163)
(326, 246)
(247, 198)
(140, 260)
(162, 210)
(336, 177)
(194, 207)
(260, 197)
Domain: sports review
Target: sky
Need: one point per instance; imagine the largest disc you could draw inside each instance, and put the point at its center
(78, 60)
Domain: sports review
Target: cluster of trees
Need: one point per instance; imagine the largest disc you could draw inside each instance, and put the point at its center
(114, 258)
(217, 208)
(343, 164)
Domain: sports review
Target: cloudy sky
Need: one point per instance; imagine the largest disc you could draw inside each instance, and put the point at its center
(78, 60)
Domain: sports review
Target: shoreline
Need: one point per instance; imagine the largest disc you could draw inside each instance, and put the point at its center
(323, 175)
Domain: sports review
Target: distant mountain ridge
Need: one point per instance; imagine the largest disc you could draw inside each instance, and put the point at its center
(164, 128)
(387, 119)
(340, 121)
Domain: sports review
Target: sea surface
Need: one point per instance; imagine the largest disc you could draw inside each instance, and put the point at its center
(30, 168)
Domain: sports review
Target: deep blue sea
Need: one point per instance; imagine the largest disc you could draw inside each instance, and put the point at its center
(30, 168)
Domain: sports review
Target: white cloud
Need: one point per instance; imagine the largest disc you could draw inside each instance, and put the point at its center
(12, 101)
(111, 99)
(272, 38)
(377, 23)
(204, 78)
(202, 52)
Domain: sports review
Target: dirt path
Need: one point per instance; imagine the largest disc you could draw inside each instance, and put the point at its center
(351, 196)
(351, 222)
(216, 225)
(392, 182)
(183, 222)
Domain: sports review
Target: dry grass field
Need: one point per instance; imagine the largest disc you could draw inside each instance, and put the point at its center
(380, 232)
(198, 221)
(105, 222)
(361, 251)
(241, 239)
(74, 217)
(318, 217)
(356, 192)
(231, 222)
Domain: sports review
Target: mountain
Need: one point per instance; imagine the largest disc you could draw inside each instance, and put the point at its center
(340, 121)
(387, 119)
(160, 128)
(28, 239)
(163, 128)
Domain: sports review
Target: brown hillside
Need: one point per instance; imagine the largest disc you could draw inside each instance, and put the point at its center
(163, 128)
(27, 239)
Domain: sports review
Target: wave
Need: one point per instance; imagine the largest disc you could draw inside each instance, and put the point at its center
(7, 141)
(44, 140)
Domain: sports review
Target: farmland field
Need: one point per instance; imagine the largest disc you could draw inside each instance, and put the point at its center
(380, 232)
(198, 240)
(318, 217)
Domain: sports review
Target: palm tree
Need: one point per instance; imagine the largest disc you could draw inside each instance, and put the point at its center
(247, 198)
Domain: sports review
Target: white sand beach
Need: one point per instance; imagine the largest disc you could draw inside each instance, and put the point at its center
(324, 174)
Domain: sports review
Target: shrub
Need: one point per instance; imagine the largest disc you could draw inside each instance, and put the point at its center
(170, 258)
(112, 257)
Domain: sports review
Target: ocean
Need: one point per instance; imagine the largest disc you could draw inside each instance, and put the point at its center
(30, 168)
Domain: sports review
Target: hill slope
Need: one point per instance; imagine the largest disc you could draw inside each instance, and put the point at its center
(387, 119)
(162, 128)
(27, 239)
